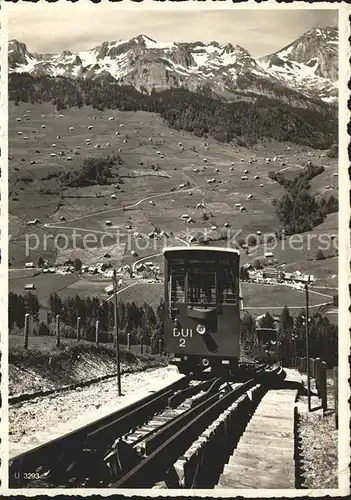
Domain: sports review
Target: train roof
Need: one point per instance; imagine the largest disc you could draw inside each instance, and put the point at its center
(201, 249)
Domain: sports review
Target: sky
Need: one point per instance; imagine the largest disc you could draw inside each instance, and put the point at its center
(83, 25)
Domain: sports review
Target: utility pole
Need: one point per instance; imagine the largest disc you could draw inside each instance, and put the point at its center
(307, 348)
(114, 280)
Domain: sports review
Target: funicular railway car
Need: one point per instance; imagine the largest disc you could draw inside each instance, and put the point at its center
(202, 317)
(266, 344)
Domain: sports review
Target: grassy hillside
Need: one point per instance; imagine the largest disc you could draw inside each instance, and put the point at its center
(146, 177)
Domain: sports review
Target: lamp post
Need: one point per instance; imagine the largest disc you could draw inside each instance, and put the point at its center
(114, 280)
(307, 321)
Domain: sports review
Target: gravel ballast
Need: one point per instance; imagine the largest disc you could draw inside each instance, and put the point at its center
(42, 419)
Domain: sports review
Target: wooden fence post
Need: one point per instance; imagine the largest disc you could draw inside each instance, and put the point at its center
(141, 344)
(128, 341)
(58, 333)
(78, 329)
(336, 395)
(317, 366)
(160, 346)
(26, 330)
(97, 332)
(312, 367)
(324, 386)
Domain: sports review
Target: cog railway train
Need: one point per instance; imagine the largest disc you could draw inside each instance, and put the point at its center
(202, 308)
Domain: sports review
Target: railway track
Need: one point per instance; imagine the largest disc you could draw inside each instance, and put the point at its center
(145, 443)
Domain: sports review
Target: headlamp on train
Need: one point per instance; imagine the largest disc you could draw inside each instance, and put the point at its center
(201, 329)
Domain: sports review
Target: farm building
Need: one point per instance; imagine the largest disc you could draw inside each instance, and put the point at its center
(29, 265)
(18, 119)
(217, 170)
(192, 239)
(214, 227)
(109, 289)
(181, 186)
(90, 127)
(242, 209)
(246, 171)
(33, 222)
(249, 197)
(133, 252)
(42, 126)
(52, 154)
(204, 160)
(231, 168)
(237, 205)
(190, 220)
(113, 196)
(69, 158)
(30, 286)
(20, 133)
(256, 177)
(63, 218)
(226, 224)
(111, 118)
(108, 223)
(53, 145)
(244, 177)
(151, 202)
(258, 233)
(261, 185)
(185, 216)
(268, 255)
(164, 234)
(60, 116)
(71, 128)
(121, 125)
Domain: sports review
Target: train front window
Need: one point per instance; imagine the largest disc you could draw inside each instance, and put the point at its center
(177, 281)
(201, 283)
(227, 284)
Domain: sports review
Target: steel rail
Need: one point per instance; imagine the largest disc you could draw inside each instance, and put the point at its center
(46, 456)
(175, 439)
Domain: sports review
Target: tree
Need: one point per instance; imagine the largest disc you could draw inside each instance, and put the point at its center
(267, 321)
(320, 255)
(77, 264)
(286, 321)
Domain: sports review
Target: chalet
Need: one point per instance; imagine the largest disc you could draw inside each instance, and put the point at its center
(29, 286)
(109, 289)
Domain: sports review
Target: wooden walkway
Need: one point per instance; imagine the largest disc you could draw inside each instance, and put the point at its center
(264, 457)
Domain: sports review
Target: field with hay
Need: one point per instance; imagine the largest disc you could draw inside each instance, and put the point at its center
(164, 174)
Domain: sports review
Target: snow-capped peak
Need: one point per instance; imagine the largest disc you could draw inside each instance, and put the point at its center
(308, 65)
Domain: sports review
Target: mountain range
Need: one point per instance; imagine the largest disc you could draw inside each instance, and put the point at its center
(306, 68)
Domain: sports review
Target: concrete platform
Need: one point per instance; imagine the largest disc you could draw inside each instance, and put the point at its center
(264, 457)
